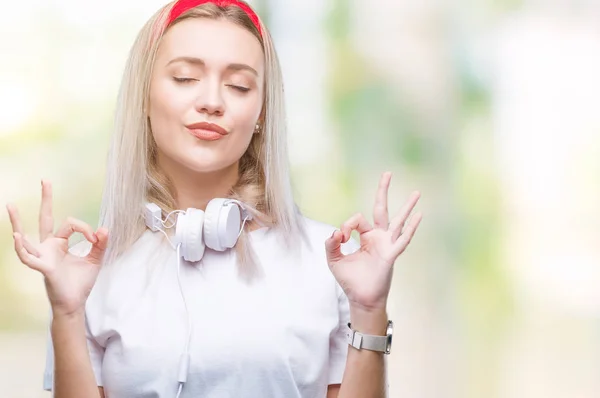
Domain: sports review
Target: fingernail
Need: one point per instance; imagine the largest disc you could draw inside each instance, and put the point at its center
(95, 238)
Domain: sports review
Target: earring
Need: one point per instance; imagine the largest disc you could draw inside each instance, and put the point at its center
(257, 128)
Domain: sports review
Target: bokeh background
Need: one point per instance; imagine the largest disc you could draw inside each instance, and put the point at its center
(490, 107)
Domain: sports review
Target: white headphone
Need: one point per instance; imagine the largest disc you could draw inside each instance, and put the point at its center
(218, 227)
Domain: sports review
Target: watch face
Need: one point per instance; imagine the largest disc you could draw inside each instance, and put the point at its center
(390, 331)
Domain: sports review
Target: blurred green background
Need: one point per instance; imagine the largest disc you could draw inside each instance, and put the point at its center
(489, 108)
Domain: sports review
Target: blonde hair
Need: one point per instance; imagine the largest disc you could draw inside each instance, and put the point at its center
(133, 177)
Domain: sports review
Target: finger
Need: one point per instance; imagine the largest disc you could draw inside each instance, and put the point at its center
(96, 255)
(30, 247)
(46, 219)
(402, 242)
(397, 223)
(356, 222)
(15, 220)
(380, 210)
(333, 247)
(26, 258)
(72, 225)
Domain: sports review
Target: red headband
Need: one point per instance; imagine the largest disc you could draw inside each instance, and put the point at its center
(184, 5)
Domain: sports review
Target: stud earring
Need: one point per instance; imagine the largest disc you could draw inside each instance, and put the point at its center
(257, 128)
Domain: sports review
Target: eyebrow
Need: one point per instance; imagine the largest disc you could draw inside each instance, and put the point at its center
(200, 62)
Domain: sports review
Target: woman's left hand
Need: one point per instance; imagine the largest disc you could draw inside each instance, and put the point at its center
(366, 274)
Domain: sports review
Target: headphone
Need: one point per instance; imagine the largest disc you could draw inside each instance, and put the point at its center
(218, 227)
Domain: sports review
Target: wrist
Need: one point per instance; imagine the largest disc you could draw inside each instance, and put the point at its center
(65, 326)
(62, 316)
(369, 321)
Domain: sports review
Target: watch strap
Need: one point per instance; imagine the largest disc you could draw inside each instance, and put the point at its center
(369, 342)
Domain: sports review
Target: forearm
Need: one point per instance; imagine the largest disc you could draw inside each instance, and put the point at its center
(73, 374)
(365, 373)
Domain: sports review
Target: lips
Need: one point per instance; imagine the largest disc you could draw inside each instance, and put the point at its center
(207, 131)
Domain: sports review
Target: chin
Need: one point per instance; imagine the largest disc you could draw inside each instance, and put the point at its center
(200, 160)
(207, 164)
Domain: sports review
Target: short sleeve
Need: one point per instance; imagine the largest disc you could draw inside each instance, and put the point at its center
(338, 346)
(96, 351)
(49, 368)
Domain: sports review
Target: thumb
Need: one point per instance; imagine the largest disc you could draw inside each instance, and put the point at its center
(97, 253)
(333, 247)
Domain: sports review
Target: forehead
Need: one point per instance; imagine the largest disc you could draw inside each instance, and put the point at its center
(214, 41)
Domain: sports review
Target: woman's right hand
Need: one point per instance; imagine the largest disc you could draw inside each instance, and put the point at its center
(69, 278)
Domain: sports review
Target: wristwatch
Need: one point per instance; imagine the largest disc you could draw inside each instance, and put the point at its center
(370, 342)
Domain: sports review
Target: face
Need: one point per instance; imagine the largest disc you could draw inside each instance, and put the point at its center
(206, 94)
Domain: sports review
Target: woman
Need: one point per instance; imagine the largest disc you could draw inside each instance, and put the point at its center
(142, 311)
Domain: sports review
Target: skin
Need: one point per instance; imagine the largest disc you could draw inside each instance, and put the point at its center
(205, 71)
(225, 88)
(366, 277)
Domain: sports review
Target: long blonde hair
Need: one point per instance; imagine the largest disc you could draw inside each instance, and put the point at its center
(133, 178)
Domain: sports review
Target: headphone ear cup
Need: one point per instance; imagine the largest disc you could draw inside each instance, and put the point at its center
(211, 224)
(188, 233)
(222, 224)
(230, 224)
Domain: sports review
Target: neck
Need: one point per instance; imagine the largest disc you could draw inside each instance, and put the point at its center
(193, 189)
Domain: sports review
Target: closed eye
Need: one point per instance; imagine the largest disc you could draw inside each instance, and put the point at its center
(183, 79)
(239, 88)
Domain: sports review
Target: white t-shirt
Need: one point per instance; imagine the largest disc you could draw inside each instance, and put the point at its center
(282, 336)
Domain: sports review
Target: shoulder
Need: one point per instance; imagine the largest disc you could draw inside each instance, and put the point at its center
(146, 243)
(318, 232)
(128, 274)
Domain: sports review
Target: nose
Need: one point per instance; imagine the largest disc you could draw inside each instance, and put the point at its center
(209, 99)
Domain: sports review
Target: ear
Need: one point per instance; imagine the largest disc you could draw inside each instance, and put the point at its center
(260, 123)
